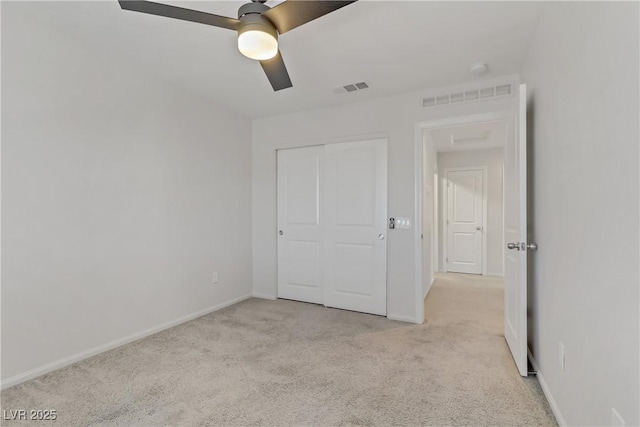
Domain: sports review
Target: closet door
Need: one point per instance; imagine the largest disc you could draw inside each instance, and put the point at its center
(355, 226)
(299, 227)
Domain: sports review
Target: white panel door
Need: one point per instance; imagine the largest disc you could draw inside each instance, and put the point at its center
(299, 227)
(355, 212)
(515, 232)
(465, 221)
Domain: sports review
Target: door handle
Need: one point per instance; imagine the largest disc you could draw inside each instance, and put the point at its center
(522, 246)
(281, 232)
(478, 228)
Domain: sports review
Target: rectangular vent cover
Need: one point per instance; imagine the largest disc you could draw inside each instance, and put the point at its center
(468, 96)
(353, 87)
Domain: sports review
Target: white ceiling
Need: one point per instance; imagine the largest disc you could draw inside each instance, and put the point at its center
(395, 46)
(478, 136)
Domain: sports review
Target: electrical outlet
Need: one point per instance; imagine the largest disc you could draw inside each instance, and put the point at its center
(616, 419)
(214, 277)
(561, 356)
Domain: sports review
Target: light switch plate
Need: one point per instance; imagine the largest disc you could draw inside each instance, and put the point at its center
(214, 277)
(403, 222)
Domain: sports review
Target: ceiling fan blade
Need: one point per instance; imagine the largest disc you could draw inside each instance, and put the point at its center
(291, 14)
(175, 12)
(276, 72)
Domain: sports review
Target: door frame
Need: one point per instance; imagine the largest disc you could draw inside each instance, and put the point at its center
(420, 128)
(445, 213)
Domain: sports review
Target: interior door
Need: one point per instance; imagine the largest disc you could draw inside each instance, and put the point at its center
(299, 226)
(355, 212)
(465, 213)
(515, 232)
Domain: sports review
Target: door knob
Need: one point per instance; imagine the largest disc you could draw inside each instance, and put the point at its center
(522, 246)
(478, 228)
(281, 232)
(381, 236)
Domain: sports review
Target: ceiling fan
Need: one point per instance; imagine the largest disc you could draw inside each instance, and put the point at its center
(258, 27)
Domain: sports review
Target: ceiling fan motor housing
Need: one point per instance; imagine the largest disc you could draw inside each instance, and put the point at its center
(251, 16)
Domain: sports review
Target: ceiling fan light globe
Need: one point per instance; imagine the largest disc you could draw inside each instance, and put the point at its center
(258, 45)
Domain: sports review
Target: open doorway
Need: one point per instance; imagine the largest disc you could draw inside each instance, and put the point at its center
(463, 196)
(459, 159)
(469, 206)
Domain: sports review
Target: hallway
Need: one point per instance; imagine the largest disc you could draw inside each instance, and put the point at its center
(470, 298)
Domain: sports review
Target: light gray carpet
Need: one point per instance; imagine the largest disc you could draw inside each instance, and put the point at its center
(288, 363)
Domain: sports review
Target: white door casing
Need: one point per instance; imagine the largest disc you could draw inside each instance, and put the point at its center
(355, 218)
(332, 209)
(299, 224)
(515, 232)
(465, 220)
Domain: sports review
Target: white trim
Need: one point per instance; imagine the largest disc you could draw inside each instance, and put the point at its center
(264, 296)
(504, 242)
(61, 363)
(445, 216)
(495, 274)
(545, 389)
(436, 217)
(417, 246)
(336, 140)
(403, 319)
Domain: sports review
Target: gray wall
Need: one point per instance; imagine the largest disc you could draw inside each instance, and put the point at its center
(120, 196)
(493, 160)
(582, 73)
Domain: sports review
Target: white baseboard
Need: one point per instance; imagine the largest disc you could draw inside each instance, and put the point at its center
(495, 274)
(546, 391)
(402, 318)
(61, 363)
(264, 296)
(433, 279)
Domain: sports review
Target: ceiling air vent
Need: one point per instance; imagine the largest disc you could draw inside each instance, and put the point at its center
(353, 87)
(468, 96)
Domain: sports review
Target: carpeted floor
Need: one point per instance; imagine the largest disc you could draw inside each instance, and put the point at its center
(288, 363)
